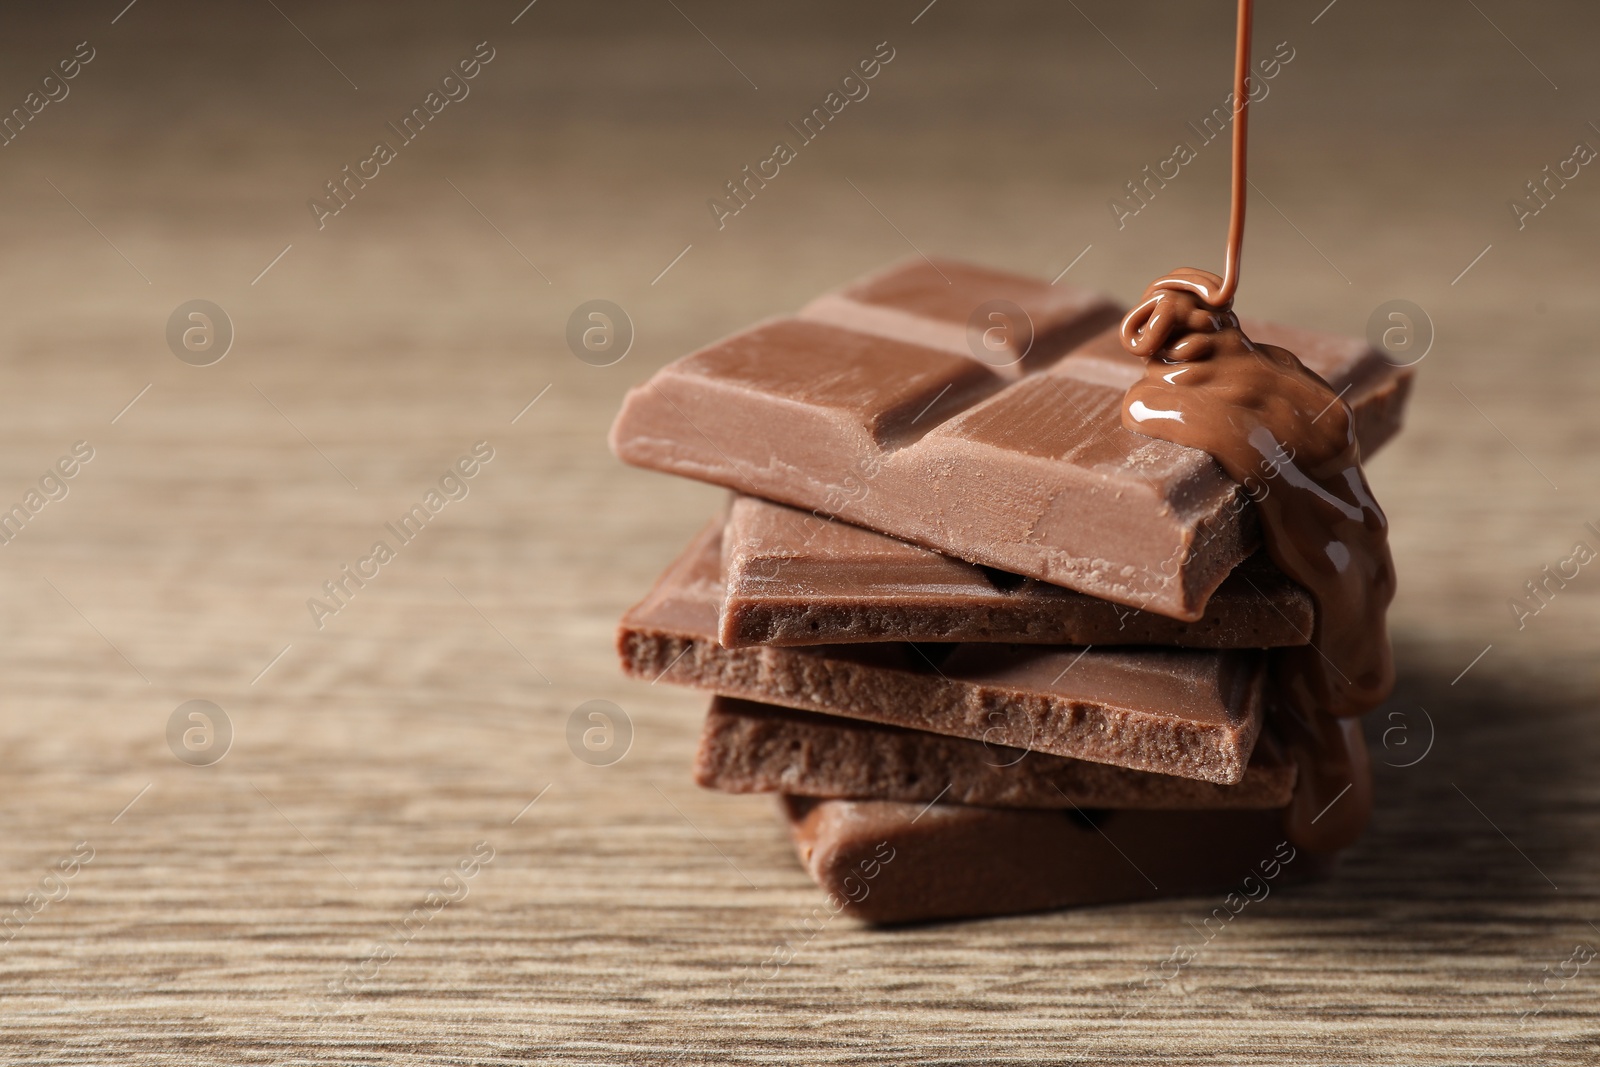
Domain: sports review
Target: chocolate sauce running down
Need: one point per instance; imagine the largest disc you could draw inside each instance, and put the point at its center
(1270, 421)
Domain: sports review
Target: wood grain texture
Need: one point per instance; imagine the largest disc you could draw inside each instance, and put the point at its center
(624, 914)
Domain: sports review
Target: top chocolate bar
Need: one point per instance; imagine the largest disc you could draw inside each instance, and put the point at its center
(869, 409)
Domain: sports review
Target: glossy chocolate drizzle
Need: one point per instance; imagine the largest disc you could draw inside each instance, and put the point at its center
(1271, 422)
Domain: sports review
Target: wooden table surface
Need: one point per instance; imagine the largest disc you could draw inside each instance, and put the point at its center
(293, 902)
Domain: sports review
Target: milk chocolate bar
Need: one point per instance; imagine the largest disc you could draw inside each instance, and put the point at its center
(748, 747)
(890, 862)
(1188, 712)
(796, 579)
(1033, 475)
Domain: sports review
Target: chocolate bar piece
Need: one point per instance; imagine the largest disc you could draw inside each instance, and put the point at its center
(890, 862)
(1186, 712)
(748, 747)
(1035, 476)
(796, 579)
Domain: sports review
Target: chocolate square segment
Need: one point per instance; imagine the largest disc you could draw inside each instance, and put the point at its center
(1026, 469)
(1011, 323)
(806, 376)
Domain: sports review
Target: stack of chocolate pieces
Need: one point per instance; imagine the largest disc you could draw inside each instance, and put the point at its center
(995, 652)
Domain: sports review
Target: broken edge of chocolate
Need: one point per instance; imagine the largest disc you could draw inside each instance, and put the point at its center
(750, 747)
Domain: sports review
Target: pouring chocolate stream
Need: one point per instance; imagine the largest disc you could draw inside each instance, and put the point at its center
(1258, 411)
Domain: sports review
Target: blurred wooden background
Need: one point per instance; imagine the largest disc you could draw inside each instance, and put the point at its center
(371, 757)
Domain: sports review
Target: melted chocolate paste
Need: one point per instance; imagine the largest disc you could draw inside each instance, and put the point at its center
(1271, 422)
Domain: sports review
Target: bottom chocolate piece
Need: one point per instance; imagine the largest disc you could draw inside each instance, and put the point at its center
(890, 862)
